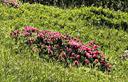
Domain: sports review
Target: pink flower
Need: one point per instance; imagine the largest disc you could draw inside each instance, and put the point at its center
(78, 57)
(49, 36)
(69, 50)
(86, 61)
(45, 32)
(96, 52)
(64, 55)
(30, 29)
(41, 34)
(94, 56)
(91, 43)
(102, 62)
(52, 35)
(25, 33)
(76, 62)
(90, 51)
(73, 55)
(95, 47)
(74, 43)
(56, 35)
(30, 41)
(57, 46)
(84, 48)
(15, 33)
(96, 61)
(49, 49)
(88, 55)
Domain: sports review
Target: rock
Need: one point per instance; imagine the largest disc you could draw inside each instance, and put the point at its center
(14, 3)
(125, 55)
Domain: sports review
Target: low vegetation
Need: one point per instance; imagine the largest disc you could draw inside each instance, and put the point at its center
(64, 48)
(108, 28)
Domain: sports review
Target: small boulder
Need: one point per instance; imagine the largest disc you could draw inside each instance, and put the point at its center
(14, 3)
(125, 55)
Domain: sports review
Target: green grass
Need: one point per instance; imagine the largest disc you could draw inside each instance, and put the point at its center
(79, 22)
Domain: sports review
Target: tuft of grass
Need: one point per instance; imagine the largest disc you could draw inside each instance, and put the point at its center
(79, 22)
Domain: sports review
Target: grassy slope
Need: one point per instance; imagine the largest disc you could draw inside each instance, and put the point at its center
(27, 67)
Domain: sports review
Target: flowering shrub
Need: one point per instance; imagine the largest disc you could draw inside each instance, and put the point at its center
(63, 48)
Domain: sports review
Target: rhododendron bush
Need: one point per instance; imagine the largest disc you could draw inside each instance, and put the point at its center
(63, 48)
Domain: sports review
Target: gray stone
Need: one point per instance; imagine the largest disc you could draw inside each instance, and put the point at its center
(13, 3)
(125, 55)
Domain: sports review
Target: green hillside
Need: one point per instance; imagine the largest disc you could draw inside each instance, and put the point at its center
(109, 29)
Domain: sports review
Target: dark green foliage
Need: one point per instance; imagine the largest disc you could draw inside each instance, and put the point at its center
(112, 4)
(91, 16)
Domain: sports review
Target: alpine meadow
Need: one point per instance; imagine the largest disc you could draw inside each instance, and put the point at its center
(78, 42)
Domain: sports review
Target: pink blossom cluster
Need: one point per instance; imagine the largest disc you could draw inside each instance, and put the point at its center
(64, 48)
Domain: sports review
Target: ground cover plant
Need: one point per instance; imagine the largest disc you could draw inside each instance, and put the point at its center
(27, 66)
(61, 47)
